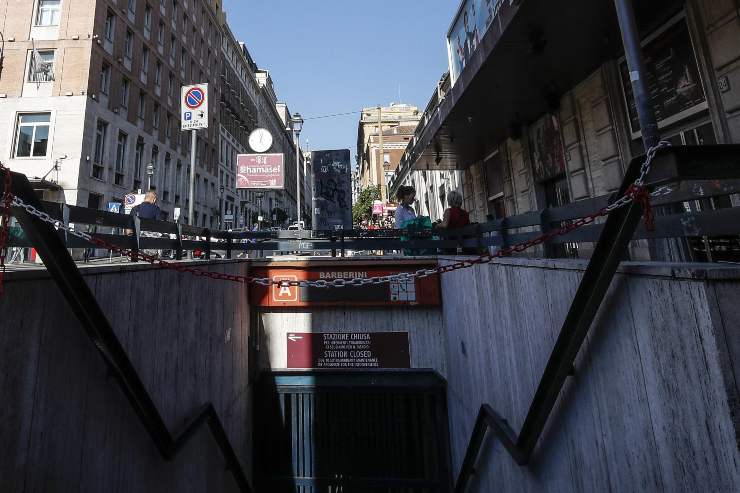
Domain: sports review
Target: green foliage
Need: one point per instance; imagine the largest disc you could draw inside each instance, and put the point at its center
(363, 208)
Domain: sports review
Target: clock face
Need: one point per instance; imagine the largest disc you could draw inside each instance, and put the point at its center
(260, 140)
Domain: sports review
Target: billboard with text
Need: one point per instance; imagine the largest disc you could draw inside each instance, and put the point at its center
(260, 171)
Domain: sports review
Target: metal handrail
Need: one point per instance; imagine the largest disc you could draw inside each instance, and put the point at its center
(496, 233)
(80, 298)
(670, 165)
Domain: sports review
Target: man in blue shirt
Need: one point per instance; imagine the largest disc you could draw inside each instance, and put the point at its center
(148, 209)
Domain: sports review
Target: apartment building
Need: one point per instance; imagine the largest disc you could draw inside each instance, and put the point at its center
(102, 113)
(398, 122)
(90, 102)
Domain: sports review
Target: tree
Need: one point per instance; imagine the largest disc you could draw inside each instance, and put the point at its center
(363, 208)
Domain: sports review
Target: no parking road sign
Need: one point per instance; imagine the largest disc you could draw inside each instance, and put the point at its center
(194, 107)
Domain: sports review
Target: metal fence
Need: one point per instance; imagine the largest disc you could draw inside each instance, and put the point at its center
(701, 213)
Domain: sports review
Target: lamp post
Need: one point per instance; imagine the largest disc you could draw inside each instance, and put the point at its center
(297, 121)
(259, 207)
(149, 174)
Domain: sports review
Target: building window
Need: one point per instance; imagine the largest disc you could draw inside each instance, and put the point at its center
(48, 13)
(178, 178)
(128, 44)
(183, 58)
(32, 139)
(158, 74)
(105, 78)
(94, 201)
(141, 114)
(160, 34)
(110, 26)
(155, 121)
(145, 60)
(41, 66)
(155, 164)
(166, 177)
(168, 129)
(101, 134)
(147, 21)
(121, 147)
(125, 90)
(173, 48)
(138, 162)
(171, 85)
(132, 6)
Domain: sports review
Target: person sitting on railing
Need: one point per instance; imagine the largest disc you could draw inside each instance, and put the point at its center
(455, 217)
(405, 214)
(149, 210)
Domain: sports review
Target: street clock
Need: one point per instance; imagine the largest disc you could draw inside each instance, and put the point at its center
(260, 140)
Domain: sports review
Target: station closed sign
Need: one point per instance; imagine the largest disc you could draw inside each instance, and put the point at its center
(336, 350)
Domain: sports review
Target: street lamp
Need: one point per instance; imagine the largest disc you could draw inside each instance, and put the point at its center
(297, 121)
(149, 174)
(259, 207)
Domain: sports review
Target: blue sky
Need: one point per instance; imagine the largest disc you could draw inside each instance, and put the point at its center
(336, 56)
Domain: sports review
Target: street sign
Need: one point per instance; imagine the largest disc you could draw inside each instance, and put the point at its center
(399, 292)
(194, 107)
(260, 171)
(114, 207)
(348, 350)
(228, 217)
(131, 200)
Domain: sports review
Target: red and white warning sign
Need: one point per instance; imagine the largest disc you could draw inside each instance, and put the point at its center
(194, 107)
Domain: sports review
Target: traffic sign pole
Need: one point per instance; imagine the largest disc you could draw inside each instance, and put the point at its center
(191, 204)
(193, 115)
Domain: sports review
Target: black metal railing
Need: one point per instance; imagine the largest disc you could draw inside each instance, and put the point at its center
(62, 268)
(708, 230)
(678, 164)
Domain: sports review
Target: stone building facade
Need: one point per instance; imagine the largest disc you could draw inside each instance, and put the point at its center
(398, 123)
(585, 134)
(90, 101)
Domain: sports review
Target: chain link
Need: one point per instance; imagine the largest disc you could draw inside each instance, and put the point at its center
(636, 192)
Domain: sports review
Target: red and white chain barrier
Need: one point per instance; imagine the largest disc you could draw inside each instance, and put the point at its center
(636, 193)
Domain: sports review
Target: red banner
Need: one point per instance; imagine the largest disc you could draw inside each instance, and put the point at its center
(422, 292)
(260, 171)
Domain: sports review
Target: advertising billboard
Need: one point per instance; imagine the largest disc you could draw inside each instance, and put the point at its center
(673, 77)
(332, 190)
(472, 22)
(260, 171)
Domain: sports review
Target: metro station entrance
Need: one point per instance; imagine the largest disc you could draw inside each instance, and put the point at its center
(352, 432)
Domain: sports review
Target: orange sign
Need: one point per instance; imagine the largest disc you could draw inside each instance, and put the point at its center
(414, 292)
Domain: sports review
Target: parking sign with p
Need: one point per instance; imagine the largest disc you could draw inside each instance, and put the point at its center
(194, 107)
